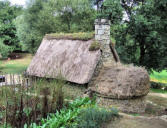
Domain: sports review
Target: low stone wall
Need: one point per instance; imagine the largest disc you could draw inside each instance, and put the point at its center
(137, 105)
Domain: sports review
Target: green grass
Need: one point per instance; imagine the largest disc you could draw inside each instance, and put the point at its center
(160, 77)
(158, 91)
(14, 68)
(17, 65)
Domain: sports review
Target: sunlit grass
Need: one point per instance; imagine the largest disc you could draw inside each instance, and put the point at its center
(17, 65)
(160, 77)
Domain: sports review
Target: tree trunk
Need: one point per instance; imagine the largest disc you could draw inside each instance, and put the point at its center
(142, 53)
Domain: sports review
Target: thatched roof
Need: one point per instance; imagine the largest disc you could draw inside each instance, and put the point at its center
(70, 58)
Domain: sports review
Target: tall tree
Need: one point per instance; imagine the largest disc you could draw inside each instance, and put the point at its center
(50, 16)
(8, 39)
(142, 39)
(76, 15)
(30, 26)
(112, 10)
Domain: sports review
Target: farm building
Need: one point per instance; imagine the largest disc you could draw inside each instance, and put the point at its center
(83, 60)
(70, 55)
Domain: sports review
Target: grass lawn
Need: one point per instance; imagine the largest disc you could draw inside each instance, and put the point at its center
(17, 65)
(158, 91)
(160, 77)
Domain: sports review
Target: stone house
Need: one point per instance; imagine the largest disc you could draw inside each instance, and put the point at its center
(100, 69)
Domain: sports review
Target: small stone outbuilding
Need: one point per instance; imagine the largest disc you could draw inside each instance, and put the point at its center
(100, 69)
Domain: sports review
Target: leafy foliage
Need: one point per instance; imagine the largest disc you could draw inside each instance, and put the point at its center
(79, 114)
(95, 117)
(8, 38)
(112, 10)
(156, 85)
(4, 49)
(53, 16)
(141, 39)
(66, 117)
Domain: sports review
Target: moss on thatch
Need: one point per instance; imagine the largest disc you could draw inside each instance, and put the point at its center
(94, 46)
(71, 36)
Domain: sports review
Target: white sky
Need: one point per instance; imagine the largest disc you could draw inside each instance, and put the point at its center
(17, 2)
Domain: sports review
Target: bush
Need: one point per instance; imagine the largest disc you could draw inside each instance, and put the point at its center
(165, 88)
(65, 118)
(95, 117)
(155, 85)
(4, 49)
(81, 113)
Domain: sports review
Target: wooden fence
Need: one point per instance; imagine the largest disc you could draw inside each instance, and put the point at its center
(15, 79)
(23, 104)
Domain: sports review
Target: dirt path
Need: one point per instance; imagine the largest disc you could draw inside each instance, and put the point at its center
(158, 99)
(128, 121)
(158, 94)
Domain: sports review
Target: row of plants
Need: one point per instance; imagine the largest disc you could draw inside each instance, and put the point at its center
(81, 113)
(42, 104)
(25, 104)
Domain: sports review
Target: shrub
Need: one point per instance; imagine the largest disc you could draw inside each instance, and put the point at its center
(65, 117)
(155, 85)
(4, 49)
(94, 46)
(81, 113)
(95, 117)
(165, 88)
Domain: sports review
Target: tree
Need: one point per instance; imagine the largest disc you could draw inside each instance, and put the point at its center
(29, 24)
(8, 38)
(52, 16)
(112, 10)
(75, 15)
(142, 39)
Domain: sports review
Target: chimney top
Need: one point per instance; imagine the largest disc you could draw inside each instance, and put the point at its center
(102, 22)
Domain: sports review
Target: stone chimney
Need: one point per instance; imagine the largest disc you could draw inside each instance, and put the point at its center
(102, 34)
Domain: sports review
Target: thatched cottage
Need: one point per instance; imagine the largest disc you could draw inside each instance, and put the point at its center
(70, 56)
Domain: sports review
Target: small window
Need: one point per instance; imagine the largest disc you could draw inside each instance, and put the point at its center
(2, 79)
